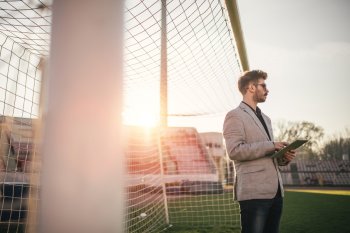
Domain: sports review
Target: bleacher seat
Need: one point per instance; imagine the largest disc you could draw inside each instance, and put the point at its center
(318, 172)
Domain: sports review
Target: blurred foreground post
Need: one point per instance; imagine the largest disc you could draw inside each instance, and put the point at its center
(82, 188)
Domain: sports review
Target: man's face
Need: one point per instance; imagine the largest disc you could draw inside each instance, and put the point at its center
(261, 91)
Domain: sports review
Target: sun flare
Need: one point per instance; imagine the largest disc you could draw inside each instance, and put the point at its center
(144, 118)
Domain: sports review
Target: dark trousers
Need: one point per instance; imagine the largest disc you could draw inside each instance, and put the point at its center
(261, 215)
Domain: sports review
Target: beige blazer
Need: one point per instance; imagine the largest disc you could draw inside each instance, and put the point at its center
(247, 144)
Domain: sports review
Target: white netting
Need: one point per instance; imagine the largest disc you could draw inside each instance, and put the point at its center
(202, 67)
(20, 84)
(202, 63)
(173, 176)
(146, 204)
(174, 179)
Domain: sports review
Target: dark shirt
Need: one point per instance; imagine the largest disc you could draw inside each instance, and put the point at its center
(260, 117)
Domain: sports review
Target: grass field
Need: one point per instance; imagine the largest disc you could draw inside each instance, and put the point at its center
(305, 211)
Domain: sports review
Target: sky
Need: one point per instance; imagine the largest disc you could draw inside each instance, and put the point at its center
(304, 46)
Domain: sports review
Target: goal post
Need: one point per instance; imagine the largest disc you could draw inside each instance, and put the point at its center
(82, 181)
(172, 178)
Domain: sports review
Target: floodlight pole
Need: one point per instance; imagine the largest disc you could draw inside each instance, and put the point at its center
(82, 180)
(164, 70)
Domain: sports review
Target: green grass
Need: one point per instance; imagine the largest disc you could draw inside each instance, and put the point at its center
(215, 229)
(204, 214)
(315, 213)
(304, 212)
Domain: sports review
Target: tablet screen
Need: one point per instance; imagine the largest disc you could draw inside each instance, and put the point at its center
(294, 145)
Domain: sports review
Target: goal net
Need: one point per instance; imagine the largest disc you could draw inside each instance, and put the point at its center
(20, 85)
(177, 176)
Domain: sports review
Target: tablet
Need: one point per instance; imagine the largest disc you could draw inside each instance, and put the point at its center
(294, 145)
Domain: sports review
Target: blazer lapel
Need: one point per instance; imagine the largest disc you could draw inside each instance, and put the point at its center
(256, 119)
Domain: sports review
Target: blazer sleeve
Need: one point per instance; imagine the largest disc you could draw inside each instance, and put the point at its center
(238, 148)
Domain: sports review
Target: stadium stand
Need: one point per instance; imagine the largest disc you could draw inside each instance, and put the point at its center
(317, 173)
(16, 149)
(214, 143)
(184, 158)
(184, 155)
(16, 143)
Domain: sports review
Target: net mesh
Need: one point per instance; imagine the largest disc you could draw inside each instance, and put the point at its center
(202, 63)
(20, 85)
(174, 177)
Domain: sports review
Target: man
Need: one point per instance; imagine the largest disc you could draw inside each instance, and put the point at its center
(249, 142)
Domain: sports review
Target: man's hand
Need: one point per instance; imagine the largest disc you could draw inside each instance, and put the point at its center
(280, 145)
(289, 155)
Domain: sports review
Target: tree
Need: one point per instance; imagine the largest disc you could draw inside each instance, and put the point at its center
(290, 131)
(337, 146)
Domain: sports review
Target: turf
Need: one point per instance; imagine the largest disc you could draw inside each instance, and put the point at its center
(204, 214)
(304, 211)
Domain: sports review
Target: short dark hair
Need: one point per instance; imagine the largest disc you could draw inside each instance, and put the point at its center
(248, 77)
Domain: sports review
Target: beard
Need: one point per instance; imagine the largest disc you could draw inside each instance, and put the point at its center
(259, 98)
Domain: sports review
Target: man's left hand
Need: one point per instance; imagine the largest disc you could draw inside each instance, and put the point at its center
(289, 155)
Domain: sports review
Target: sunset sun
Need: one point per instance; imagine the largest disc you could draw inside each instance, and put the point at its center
(140, 117)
